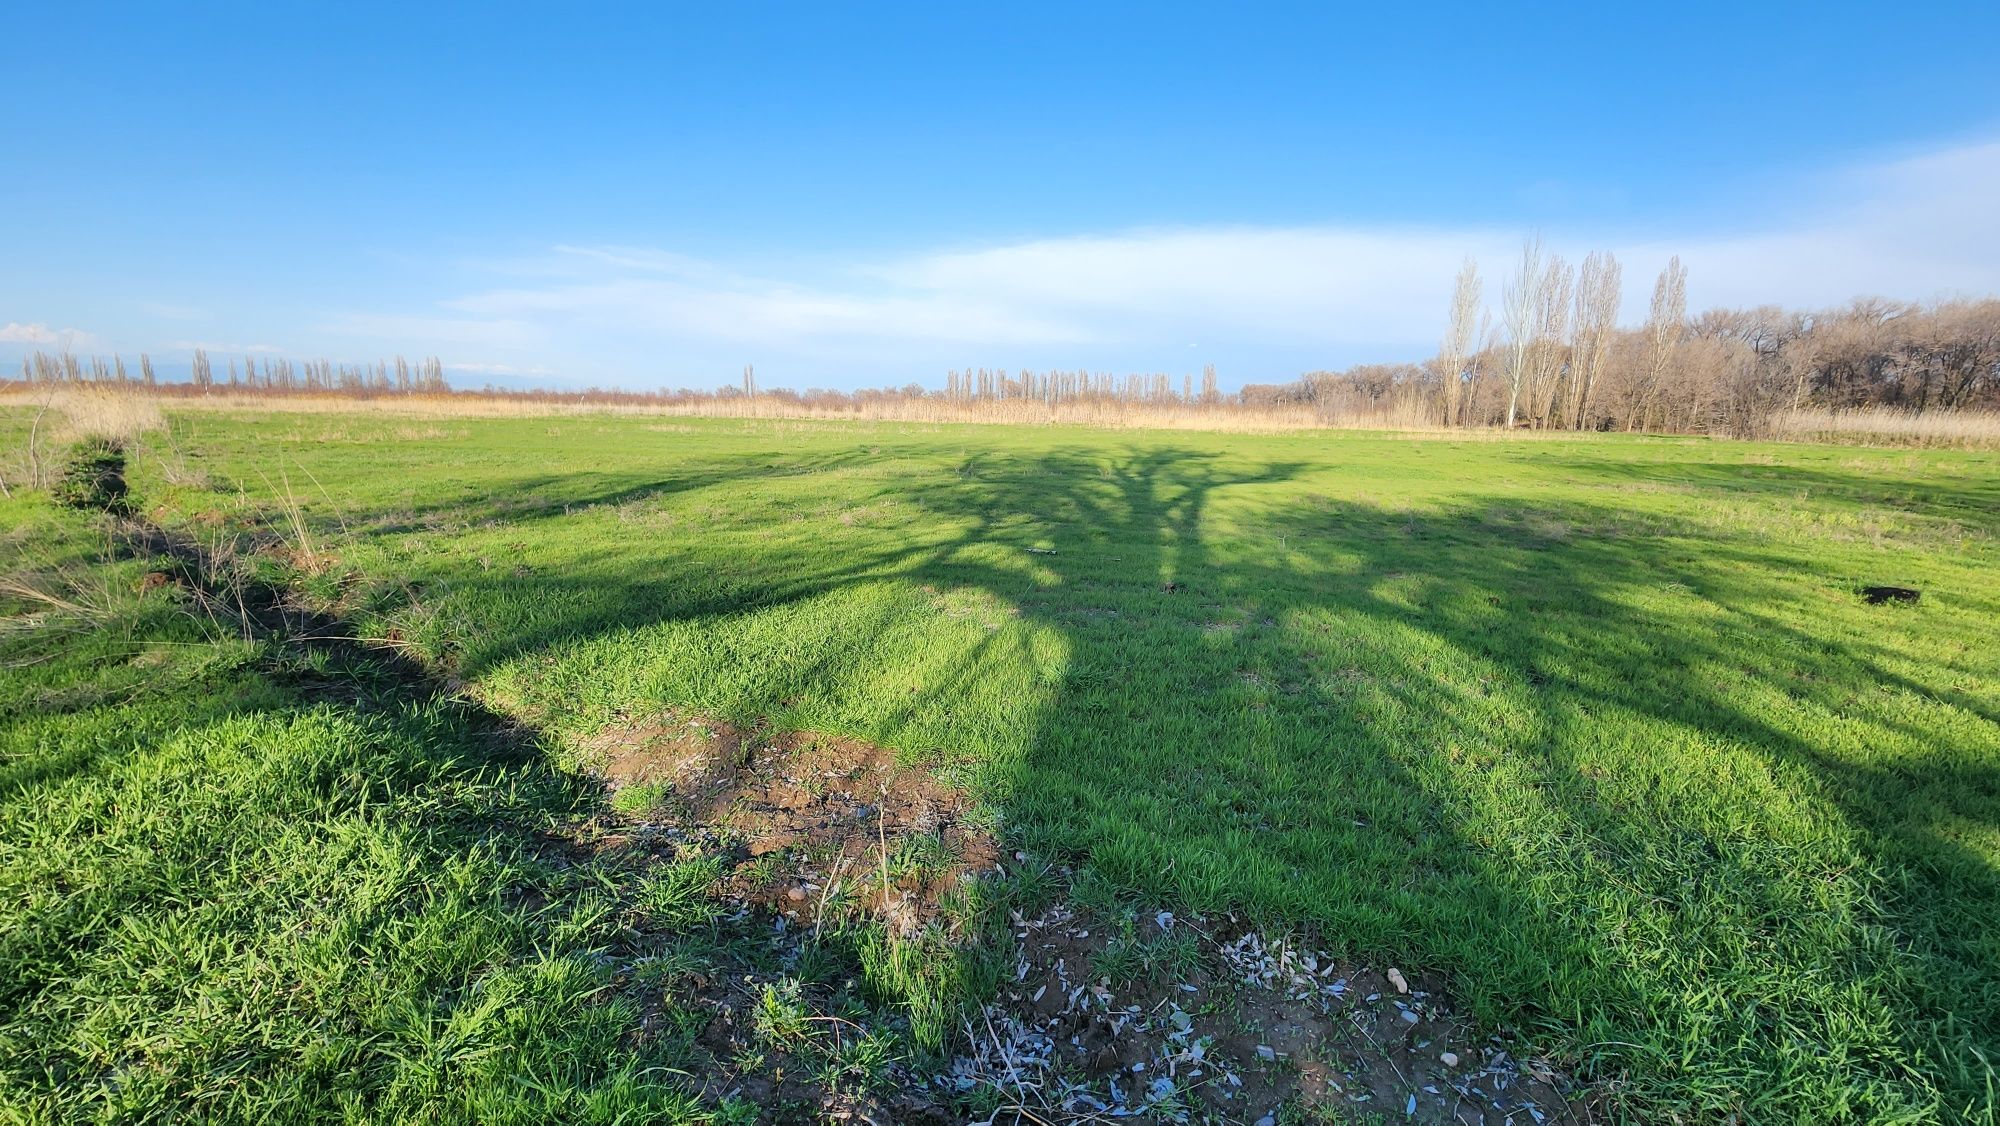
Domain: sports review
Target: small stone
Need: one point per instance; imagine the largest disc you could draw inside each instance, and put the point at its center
(1396, 979)
(1267, 1120)
(1449, 1059)
(1409, 1016)
(796, 895)
(1266, 1052)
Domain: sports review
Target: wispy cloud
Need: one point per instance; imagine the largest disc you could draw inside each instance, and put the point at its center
(1279, 298)
(1921, 227)
(477, 368)
(66, 339)
(229, 349)
(769, 312)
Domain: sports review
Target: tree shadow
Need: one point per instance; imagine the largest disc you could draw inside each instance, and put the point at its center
(1610, 772)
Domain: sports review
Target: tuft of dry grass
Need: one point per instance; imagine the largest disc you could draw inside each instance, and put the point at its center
(97, 412)
(1887, 426)
(65, 414)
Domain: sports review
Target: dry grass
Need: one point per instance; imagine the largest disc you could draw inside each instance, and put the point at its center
(1885, 426)
(143, 411)
(61, 415)
(95, 412)
(124, 413)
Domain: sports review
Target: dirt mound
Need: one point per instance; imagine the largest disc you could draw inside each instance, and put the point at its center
(821, 824)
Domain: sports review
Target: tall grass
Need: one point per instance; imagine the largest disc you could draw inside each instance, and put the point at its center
(144, 411)
(1888, 426)
(103, 412)
(63, 415)
(123, 411)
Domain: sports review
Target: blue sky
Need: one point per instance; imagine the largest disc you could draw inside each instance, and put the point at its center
(658, 194)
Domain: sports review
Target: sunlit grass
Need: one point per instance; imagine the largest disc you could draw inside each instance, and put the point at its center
(1594, 728)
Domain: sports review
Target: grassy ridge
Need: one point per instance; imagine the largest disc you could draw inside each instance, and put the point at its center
(1595, 727)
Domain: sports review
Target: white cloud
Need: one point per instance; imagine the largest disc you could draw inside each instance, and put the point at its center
(65, 339)
(760, 312)
(1916, 228)
(229, 349)
(477, 368)
(1273, 300)
(1301, 284)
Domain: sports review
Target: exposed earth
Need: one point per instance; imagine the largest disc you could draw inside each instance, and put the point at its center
(1101, 1014)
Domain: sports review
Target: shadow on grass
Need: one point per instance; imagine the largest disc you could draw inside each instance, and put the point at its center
(1637, 784)
(288, 876)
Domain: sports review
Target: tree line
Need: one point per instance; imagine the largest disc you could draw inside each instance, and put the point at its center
(1550, 356)
(1557, 358)
(398, 376)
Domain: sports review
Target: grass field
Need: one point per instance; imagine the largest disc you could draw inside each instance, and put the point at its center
(1595, 730)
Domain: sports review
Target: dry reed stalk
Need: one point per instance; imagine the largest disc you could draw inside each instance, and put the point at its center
(1888, 426)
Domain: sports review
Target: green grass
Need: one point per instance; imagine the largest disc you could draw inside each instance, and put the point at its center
(221, 900)
(1594, 728)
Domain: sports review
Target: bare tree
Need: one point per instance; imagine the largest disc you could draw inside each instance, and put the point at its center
(1664, 325)
(1547, 354)
(1456, 348)
(1598, 286)
(203, 375)
(1954, 351)
(1520, 301)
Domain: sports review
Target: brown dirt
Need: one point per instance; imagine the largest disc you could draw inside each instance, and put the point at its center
(1235, 1028)
(1246, 1031)
(825, 824)
(154, 580)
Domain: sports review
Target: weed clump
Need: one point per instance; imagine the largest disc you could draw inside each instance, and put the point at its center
(93, 477)
(678, 895)
(932, 976)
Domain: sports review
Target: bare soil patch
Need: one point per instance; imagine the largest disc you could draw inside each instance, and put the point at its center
(822, 824)
(1128, 1015)
(1216, 1022)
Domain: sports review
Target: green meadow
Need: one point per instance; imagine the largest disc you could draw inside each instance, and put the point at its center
(1596, 730)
